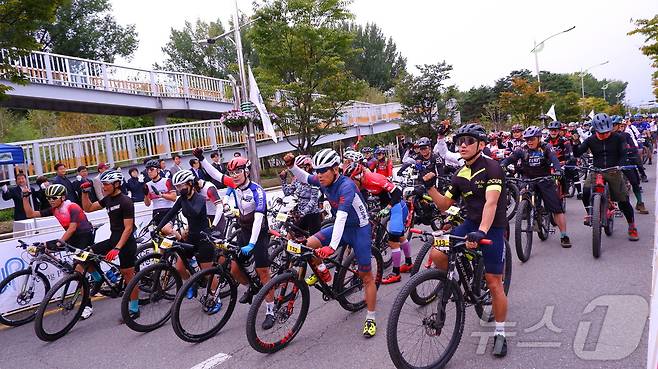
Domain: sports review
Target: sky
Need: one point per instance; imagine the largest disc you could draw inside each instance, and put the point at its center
(482, 39)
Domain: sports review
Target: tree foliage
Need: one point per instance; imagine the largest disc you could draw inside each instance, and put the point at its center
(523, 101)
(473, 103)
(87, 29)
(302, 52)
(649, 29)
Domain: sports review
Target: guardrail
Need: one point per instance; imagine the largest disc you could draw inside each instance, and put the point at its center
(132, 145)
(61, 70)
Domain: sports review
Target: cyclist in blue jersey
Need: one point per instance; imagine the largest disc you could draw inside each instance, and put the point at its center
(351, 225)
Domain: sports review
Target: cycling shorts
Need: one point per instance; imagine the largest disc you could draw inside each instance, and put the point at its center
(260, 252)
(399, 213)
(127, 253)
(548, 192)
(616, 185)
(359, 238)
(494, 254)
(203, 249)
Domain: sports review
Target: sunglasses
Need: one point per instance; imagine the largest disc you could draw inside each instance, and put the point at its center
(52, 198)
(234, 173)
(322, 170)
(468, 140)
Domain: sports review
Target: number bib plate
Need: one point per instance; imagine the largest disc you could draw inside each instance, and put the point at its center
(282, 217)
(166, 243)
(293, 249)
(453, 210)
(441, 242)
(81, 256)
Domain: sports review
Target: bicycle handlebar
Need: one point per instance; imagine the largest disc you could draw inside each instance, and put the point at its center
(592, 168)
(483, 241)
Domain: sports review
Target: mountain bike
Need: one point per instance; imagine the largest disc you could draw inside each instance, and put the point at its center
(532, 217)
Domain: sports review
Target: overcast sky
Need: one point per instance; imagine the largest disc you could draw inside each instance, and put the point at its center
(483, 40)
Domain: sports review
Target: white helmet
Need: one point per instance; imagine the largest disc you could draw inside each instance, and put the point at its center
(182, 177)
(111, 176)
(354, 156)
(325, 158)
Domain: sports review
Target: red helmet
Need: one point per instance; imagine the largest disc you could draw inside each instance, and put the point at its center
(353, 169)
(238, 163)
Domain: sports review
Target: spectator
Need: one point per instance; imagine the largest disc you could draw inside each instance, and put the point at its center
(195, 167)
(60, 178)
(218, 162)
(145, 173)
(176, 167)
(16, 194)
(83, 177)
(39, 195)
(134, 186)
(164, 172)
(98, 186)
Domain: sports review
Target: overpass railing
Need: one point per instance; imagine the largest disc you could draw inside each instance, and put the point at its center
(61, 70)
(132, 145)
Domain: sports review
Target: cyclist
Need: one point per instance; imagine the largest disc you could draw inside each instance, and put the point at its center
(121, 213)
(214, 205)
(383, 165)
(351, 225)
(351, 156)
(536, 160)
(370, 160)
(390, 197)
(159, 194)
(608, 150)
(517, 138)
(307, 195)
(561, 146)
(254, 229)
(429, 165)
(585, 129)
(635, 134)
(481, 184)
(632, 158)
(78, 231)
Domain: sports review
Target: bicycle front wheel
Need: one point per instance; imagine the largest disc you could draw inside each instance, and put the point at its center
(26, 291)
(597, 216)
(291, 301)
(348, 284)
(425, 336)
(61, 307)
(197, 319)
(422, 262)
(523, 231)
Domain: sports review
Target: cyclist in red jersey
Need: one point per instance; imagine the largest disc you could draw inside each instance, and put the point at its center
(383, 165)
(390, 197)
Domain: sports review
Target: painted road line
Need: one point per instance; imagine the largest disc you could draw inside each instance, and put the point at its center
(212, 362)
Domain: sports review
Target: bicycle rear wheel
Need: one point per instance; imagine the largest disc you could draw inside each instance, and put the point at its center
(544, 223)
(512, 200)
(421, 336)
(523, 231)
(61, 307)
(158, 285)
(193, 319)
(610, 223)
(597, 215)
(27, 291)
(291, 301)
(349, 286)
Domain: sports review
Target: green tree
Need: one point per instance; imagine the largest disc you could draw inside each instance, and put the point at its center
(649, 29)
(523, 101)
(593, 103)
(376, 59)
(302, 51)
(87, 29)
(19, 19)
(505, 84)
(474, 101)
(557, 82)
(566, 105)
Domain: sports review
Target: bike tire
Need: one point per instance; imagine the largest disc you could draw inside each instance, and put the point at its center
(278, 259)
(146, 260)
(383, 247)
(145, 282)
(182, 330)
(353, 281)
(609, 228)
(523, 231)
(544, 226)
(596, 225)
(281, 302)
(422, 263)
(144, 249)
(39, 328)
(478, 288)
(394, 343)
(31, 311)
(512, 198)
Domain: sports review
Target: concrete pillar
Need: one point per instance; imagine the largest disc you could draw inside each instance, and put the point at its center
(160, 118)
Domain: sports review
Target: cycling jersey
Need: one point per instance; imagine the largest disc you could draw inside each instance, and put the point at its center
(561, 146)
(514, 144)
(535, 163)
(118, 208)
(472, 182)
(210, 194)
(371, 163)
(384, 168)
(377, 184)
(162, 186)
(193, 209)
(308, 196)
(69, 212)
(610, 152)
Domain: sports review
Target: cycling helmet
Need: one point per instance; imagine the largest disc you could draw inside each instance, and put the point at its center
(555, 125)
(380, 150)
(325, 158)
(493, 136)
(303, 160)
(602, 123)
(238, 163)
(473, 130)
(55, 190)
(353, 170)
(505, 134)
(353, 155)
(182, 177)
(616, 119)
(366, 150)
(532, 131)
(111, 176)
(517, 127)
(423, 141)
(152, 164)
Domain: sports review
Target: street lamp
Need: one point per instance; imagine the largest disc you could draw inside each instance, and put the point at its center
(584, 72)
(539, 47)
(605, 87)
(252, 152)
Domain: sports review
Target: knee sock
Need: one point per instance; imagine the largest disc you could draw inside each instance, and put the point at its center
(133, 306)
(395, 256)
(500, 328)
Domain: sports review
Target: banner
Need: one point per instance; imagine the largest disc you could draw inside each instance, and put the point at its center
(257, 99)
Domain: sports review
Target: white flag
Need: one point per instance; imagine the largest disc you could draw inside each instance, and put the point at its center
(256, 99)
(551, 112)
(591, 114)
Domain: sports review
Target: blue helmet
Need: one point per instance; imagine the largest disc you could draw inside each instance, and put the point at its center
(532, 131)
(380, 150)
(602, 123)
(616, 119)
(556, 124)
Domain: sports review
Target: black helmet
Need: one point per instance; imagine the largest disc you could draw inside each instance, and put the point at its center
(423, 141)
(473, 130)
(602, 123)
(556, 124)
(152, 164)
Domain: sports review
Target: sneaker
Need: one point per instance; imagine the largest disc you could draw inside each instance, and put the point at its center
(565, 242)
(499, 346)
(405, 268)
(369, 328)
(268, 323)
(86, 313)
(246, 297)
(215, 309)
(632, 234)
(588, 220)
(392, 278)
(191, 293)
(641, 209)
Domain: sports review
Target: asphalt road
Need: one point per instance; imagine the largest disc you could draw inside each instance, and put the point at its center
(566, 310)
